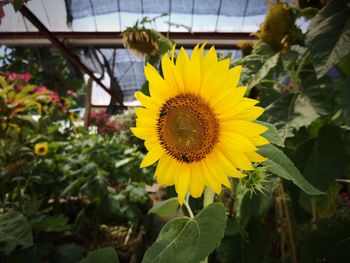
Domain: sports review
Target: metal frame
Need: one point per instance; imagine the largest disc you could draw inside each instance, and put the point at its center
(221, 40)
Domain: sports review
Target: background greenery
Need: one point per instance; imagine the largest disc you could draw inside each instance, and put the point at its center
(86, 199)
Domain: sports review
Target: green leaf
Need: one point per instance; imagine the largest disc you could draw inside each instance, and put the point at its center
(265, 69)
(290, 112)
(53, 223)
(15, 230)
(248, 249)
(103, 255)
(279, 164)
(324, 158)
(272, 134)
(328, 37)
(166, 208)
(17, 4)
(68, 253)
(189, 240)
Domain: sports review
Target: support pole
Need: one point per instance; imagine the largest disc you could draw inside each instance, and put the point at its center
(65, 51)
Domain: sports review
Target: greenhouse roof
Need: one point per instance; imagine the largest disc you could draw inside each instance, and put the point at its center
(116, 15)
(98, 23)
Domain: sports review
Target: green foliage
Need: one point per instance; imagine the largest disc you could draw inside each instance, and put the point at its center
(166, 208)
(250, 247)
(84, 180)
(279, 164)
(189, 239)
(105, 255)
(328, 241)
(68, 253)
(14, 231)
(328, 36)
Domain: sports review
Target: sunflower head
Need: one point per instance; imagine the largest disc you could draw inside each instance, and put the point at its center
(141, 40)
(278, 26)
(246, 47)
(41, 149)
(73, 116)
(197, 123)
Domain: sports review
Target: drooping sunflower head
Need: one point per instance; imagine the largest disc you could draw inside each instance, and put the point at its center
(197, 124)
(141, 40)
(41, 149)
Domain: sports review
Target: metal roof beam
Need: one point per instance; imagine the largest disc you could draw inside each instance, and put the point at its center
(221, 40)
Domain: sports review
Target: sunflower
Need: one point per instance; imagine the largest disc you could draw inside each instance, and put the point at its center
(197, 124)
(73, 116)
(41, 149)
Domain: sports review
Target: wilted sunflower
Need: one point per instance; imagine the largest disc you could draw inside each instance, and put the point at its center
(197, 123)
(41, 149)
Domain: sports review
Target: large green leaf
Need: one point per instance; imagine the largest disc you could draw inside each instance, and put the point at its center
(324, 158)
(68, 253)
(166, 208)
(279, 164)
(189, 240)
(265, 69)
(289, 112)
(15, 230)
(328, 37)
(103, 255)
(272, 134)
(249, 249)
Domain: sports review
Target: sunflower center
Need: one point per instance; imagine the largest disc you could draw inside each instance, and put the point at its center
(187, 128)
(41, 149)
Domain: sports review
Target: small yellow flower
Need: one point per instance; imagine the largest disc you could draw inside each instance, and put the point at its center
(197, 123)
(41, 149)
(73, 116)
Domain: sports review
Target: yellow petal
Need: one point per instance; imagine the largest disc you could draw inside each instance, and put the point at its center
(146, 101)
(255, 157)
(246, 128)
(217, 171)
(209, 60)
(228, 102)
(182, 182)
(158, 87)
(171, 76)
(196, 186)
(152, 156)
(259, 140)
(162, 169)
(238, 159)
(250, 114)
(144, 133)
(237, 142)
(214, 184)
(227, 165)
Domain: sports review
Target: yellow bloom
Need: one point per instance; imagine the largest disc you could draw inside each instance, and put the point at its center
(41, 149)
(73, 116)
(197, 124)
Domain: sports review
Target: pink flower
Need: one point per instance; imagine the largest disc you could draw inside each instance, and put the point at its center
(19, 88)
(55, 97)
(41, 89)
(2, 13)
(11, 75)
(345, 196)
(71, 93)
(26, 77)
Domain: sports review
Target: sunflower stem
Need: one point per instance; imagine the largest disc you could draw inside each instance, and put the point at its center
(208, 196)
(187, 205)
